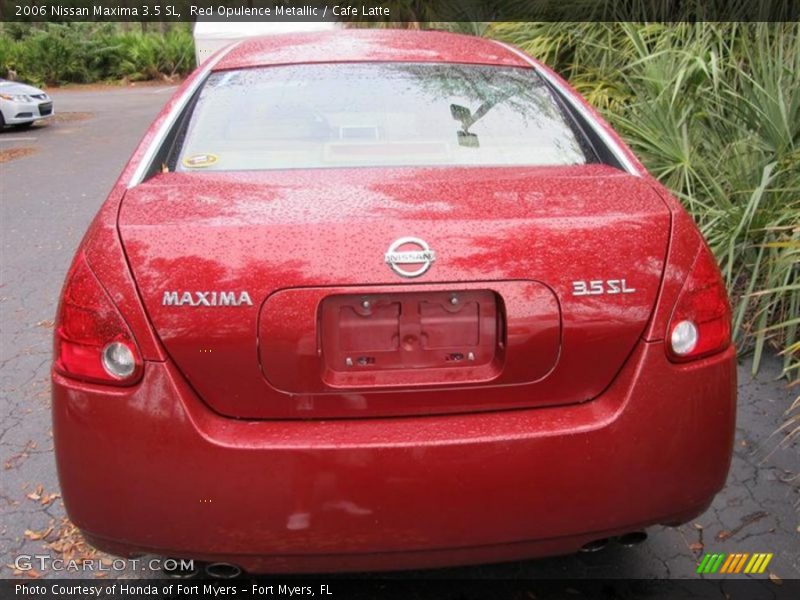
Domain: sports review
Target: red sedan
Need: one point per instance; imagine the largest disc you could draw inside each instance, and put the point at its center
(382, 300)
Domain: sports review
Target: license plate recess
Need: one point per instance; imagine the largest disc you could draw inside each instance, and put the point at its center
(455, 333)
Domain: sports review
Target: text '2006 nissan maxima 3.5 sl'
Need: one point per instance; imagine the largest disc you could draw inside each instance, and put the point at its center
(381, 300)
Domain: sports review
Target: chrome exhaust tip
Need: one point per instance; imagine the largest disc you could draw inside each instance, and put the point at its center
(595, 545)
(634, 538)
(176, 569)
(222, 570)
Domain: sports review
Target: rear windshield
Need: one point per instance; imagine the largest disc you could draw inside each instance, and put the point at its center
(376, 114)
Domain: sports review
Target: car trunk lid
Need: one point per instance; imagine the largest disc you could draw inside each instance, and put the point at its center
(278, 296)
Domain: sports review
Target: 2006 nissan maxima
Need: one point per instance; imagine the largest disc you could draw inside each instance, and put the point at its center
(380, 300)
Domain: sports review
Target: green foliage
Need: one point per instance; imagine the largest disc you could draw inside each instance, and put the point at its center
(713, 111)
(153, 56)
(57, 53)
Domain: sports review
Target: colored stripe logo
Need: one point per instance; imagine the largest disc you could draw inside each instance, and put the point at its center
(734, 563)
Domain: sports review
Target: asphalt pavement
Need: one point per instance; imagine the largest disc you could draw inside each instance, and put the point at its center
(54, 178)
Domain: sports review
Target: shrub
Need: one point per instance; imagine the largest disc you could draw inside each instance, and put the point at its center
(713, 111)
(57, 53)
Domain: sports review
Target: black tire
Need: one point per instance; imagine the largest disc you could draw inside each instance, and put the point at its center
(2, 121)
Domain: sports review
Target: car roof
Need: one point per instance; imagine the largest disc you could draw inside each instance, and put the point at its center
(367, 45)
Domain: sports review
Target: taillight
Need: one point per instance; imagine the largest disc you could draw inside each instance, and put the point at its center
(92, 341)
(701, 320)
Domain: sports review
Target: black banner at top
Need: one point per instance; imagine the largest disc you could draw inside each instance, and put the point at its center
(399, 10)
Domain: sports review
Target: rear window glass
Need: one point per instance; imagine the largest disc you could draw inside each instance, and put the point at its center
(376, 114)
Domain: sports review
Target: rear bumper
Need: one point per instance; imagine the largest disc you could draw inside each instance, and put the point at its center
(151, 469)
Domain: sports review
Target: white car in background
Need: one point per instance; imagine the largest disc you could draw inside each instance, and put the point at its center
(22, 104)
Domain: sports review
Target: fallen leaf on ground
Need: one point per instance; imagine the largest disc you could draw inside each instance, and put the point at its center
(67, 117)
(15, 153)
(775, 579)
(36, 494)
(38, 535)
(70, 544)
(696, 547)
(744, 522)
(16, 460)
(48, 498)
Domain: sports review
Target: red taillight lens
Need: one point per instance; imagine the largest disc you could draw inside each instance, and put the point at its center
(92, 341)
(701, 320)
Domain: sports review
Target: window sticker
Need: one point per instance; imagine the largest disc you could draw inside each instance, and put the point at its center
(196, 161)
